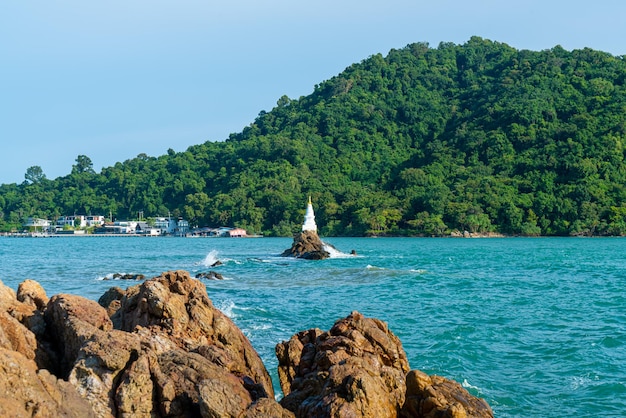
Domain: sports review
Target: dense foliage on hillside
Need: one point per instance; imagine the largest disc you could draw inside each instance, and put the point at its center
(479, 137)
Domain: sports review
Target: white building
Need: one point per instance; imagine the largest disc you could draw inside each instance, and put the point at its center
(79, 221)
(182, 227)
(74, 221)
(38, 224)
(166, 226)
(94, 220)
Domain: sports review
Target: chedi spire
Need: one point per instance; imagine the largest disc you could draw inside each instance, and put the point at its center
(309, 218)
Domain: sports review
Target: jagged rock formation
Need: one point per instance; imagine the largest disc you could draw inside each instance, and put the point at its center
(359, 369)
(160, 349)
(307, 245)
(163, 351)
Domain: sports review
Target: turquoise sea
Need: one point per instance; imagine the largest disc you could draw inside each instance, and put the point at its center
(536, 326)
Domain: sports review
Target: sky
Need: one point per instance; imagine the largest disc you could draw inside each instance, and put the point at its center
(111, 80)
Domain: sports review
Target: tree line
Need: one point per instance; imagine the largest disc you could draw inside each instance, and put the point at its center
(478, 137)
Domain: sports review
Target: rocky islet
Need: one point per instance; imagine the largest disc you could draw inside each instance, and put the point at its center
(161, 349)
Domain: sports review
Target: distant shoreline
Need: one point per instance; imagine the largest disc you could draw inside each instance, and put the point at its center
(35, 235)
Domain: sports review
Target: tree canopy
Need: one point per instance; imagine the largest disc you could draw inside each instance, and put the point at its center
(479, 137)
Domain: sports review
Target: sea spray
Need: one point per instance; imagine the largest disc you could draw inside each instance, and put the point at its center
(211, 259)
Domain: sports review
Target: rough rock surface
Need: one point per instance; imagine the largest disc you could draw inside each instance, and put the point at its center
(307, 245)
(436, 396)
(359, 369)
(26, 389)
(171, 353)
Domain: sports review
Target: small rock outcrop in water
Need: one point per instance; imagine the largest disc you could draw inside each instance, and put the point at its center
(211, 275)
(160, 349)
(307, 245)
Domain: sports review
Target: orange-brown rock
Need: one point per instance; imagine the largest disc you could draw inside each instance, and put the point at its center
(357, 369)
(111, 300)
(173, 354)
(436, 396)
(27, 389)
(31, 293)
(176, 305)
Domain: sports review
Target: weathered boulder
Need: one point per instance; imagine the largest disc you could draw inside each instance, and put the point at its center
(307, 245)
(357, 369)
(22, 328)
(26, 388)
(179, 307)
(436, 396)
(111, 299)
(71, 322)
(26, 391)
(171, 354)
(31, 293)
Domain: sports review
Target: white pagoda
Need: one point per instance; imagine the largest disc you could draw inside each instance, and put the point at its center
(309, 218)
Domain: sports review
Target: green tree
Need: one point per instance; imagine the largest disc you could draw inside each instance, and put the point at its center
(34, 174)
(83, 165)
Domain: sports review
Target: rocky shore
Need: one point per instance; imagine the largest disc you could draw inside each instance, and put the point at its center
(161, 349)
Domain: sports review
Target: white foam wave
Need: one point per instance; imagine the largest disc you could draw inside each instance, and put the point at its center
(261, 327)
(333, 252)
(210, 259)
(578, 382)
(467, 385)
(114, 276)
(419, 271)
(227, 307)
(370, 267)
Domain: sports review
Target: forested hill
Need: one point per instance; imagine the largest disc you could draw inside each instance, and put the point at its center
(479, 137)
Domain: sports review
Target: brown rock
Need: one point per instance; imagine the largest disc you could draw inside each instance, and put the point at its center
(178, 305)
(21, 325)
(193, 359)
(111, 300)
(265, 407)
(72, 321)
(26, 392)
(357, 369)
(307, 245)
(98, 366)
(7, 297)
(173, 354)
(15, 337)
(436, 396)
(31, 293)
(136, 394)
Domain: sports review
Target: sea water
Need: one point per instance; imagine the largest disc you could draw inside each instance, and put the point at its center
(536, 326)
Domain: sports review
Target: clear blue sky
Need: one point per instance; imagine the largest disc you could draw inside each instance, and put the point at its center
(114, 79)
